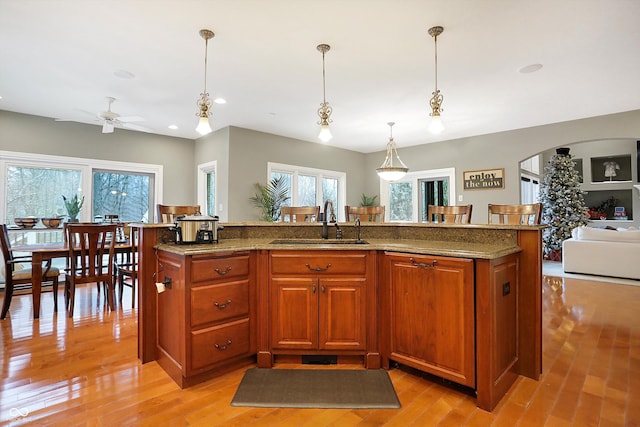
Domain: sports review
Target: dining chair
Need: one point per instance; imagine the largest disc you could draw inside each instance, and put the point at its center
(300, 213)
(365, 213)
(126, 266)
(449, 214)
(168, 213)
(17, 274)
(515, 214)
(91, 255)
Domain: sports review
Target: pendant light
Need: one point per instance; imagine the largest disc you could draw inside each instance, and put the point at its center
(435, 102)
(204, 103)
(325, 110)
(387, 170)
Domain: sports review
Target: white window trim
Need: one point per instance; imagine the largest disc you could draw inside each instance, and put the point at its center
(86, 166)
(320, 173)
(203, 170)
(414, 177)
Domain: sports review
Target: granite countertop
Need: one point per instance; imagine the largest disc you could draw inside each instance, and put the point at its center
(425, 247)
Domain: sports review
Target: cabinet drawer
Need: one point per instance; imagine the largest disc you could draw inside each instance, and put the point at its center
(320, 262)
(219, 343)
(218, 302)
(229, 267)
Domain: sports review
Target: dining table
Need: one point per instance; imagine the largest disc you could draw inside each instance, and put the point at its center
(45, 252)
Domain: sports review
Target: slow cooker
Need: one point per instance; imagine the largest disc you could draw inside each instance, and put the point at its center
(196, 229)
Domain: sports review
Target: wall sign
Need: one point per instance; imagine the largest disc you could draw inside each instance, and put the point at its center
(486, 179)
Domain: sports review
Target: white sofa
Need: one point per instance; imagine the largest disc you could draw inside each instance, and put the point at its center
(603, 252)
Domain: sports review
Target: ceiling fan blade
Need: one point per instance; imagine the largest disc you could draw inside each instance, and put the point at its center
(107, 127)
(89, 113)
(135, 127)
(130, 119)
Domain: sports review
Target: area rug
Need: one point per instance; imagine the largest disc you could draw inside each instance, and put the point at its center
(316, 388)
(552, 268)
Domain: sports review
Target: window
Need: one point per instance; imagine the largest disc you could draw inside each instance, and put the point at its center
(400, 201)
(407, 199)
(37, 191)
(312, 187)
(529, 189)
(207, 187)
(34, 186)
(530, 180)
(123, 194)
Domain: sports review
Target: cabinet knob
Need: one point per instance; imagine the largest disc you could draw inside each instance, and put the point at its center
(422, 264)
(223, 305)
(223, 347)
(318, 268)
(223, 272)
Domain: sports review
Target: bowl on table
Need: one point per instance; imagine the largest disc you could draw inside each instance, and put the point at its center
(51, 222)
(27, 222)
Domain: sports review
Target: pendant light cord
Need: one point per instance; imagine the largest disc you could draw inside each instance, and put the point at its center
(206, 50)
(324, 90)
(435, 40)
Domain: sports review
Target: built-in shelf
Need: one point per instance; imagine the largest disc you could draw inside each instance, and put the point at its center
(624, 198)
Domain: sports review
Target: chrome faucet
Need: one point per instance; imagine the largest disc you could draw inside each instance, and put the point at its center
(325, 228)
(358, 237)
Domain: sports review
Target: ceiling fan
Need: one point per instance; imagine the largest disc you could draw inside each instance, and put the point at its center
(111, 120)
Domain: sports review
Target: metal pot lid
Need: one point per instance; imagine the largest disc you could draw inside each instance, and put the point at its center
(196, 218)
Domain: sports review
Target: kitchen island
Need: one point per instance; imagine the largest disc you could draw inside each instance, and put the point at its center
(269, 292)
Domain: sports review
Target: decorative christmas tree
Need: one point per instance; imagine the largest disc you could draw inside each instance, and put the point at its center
(563, 206)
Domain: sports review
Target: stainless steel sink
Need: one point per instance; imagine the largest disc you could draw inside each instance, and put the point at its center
(318, 242)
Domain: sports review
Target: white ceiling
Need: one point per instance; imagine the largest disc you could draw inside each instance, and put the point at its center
(59, 57)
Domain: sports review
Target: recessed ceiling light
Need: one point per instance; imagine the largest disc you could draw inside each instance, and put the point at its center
(174, 127)
(123, 74)
(220, 101)
(532, 68)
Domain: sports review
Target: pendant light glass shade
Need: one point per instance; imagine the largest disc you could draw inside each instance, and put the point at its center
(435, 102)
(325, 110)
(203, 127)
(436, 126)
(325, 133)
(388, 170)
(204, 102)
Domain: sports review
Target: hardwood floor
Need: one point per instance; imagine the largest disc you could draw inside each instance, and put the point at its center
(84, 371)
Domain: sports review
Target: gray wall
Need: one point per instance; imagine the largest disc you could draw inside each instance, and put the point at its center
(247, 152)
(33, 134)
(215, 147)
(250, 151)
(505, 150)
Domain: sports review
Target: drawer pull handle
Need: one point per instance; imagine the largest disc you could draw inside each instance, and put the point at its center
(222, 273)
(422, 264)
(222, 306)
(313, 289)
(318, 268)
(323, 288)
(223, 346)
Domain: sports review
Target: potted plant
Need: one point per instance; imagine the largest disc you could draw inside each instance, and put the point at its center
(270, 198)
(368, 200)
(73, 207)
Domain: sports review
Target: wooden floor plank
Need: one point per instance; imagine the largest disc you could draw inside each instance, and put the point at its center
(84, 371)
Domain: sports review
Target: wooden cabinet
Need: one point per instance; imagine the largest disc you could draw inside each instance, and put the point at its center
(429, 301)
(319, 302)
(206, 317)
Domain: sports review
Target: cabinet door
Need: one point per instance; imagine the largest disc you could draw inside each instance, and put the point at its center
(294, 313)
(432, 315)
(342, 316)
